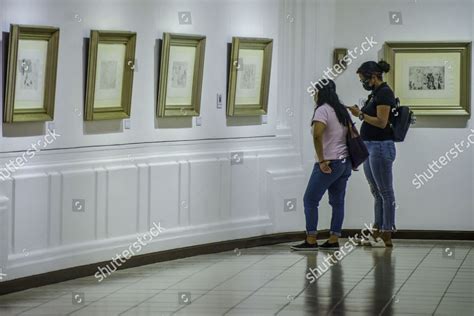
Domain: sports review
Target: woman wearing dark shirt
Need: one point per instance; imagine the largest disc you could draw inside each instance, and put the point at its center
(378, 136)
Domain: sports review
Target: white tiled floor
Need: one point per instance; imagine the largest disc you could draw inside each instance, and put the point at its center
(416, 278)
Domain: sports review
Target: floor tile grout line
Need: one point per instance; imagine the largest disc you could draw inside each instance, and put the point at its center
(304, 289)
(68, 291)
(255, 291)
(48, 301)
(63, 292)
(288, 303)
(412, 272)
(162, 290)
(223, 282)
(31, 308)
(404, 282)
(451, 282)
(107, 295)
(349, 292)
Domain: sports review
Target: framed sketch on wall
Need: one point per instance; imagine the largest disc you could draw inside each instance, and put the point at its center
(339, 55)
(31, 74)
(249, 76)
(181, 72)
(110, 75)
(432, 78)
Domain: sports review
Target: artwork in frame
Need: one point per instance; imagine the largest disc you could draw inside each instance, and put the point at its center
(181, 72)
(249, 76)
(338, 57)
(111, 64)
(433, 78)
(30, 85)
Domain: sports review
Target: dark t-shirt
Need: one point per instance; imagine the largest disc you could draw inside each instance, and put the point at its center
(382, 95)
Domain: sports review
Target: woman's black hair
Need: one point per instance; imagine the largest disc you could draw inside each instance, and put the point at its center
(327, 95)
(370, 68)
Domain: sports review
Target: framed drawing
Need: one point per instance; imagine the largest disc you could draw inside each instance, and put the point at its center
(338, 57)
(110, 75)
(181, 71)
(249, 76)
(31, 73)
(432, 78)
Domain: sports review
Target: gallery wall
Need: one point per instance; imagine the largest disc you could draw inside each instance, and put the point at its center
(169, 170)
(445, 202)
(182, 175)
(149, 19)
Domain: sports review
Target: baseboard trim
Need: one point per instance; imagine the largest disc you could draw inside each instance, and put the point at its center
(52, 277)
(423, 234)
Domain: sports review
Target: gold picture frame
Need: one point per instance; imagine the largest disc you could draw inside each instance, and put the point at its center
(249, 76)
(110, 70)
(433, 78)
(31, 73)
(181, 73)
(338, 57)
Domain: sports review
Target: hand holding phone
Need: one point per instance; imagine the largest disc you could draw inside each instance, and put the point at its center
(354, 110)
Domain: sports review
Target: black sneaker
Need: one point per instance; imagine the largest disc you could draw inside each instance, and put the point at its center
(305, 246)
(328, 245)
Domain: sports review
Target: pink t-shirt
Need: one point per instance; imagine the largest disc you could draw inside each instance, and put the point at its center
(334, 137)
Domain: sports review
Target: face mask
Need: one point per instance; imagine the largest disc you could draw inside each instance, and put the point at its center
(367, 86)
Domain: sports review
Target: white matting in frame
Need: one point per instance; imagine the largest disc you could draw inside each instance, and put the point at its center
(109, 75)
(31, 72)
(249, 78)
(180, 76)
(428, 78)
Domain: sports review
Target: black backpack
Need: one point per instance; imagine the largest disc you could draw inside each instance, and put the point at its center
(401, 119)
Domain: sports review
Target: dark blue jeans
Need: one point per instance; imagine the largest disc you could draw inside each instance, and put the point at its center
(335, 183)
(378, 171)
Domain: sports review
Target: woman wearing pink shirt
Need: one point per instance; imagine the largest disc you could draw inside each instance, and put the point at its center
(332, 170)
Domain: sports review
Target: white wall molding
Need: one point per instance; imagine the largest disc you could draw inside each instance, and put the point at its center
(45, 260)
(182, 178)
(187, 192)
(4, 232)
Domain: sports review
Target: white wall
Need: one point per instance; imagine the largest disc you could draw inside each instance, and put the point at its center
(445, 202)
(166, 171)
(149, 19)
(472, 160)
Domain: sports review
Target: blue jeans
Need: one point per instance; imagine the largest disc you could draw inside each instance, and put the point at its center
(335, 183)
(378, 171)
